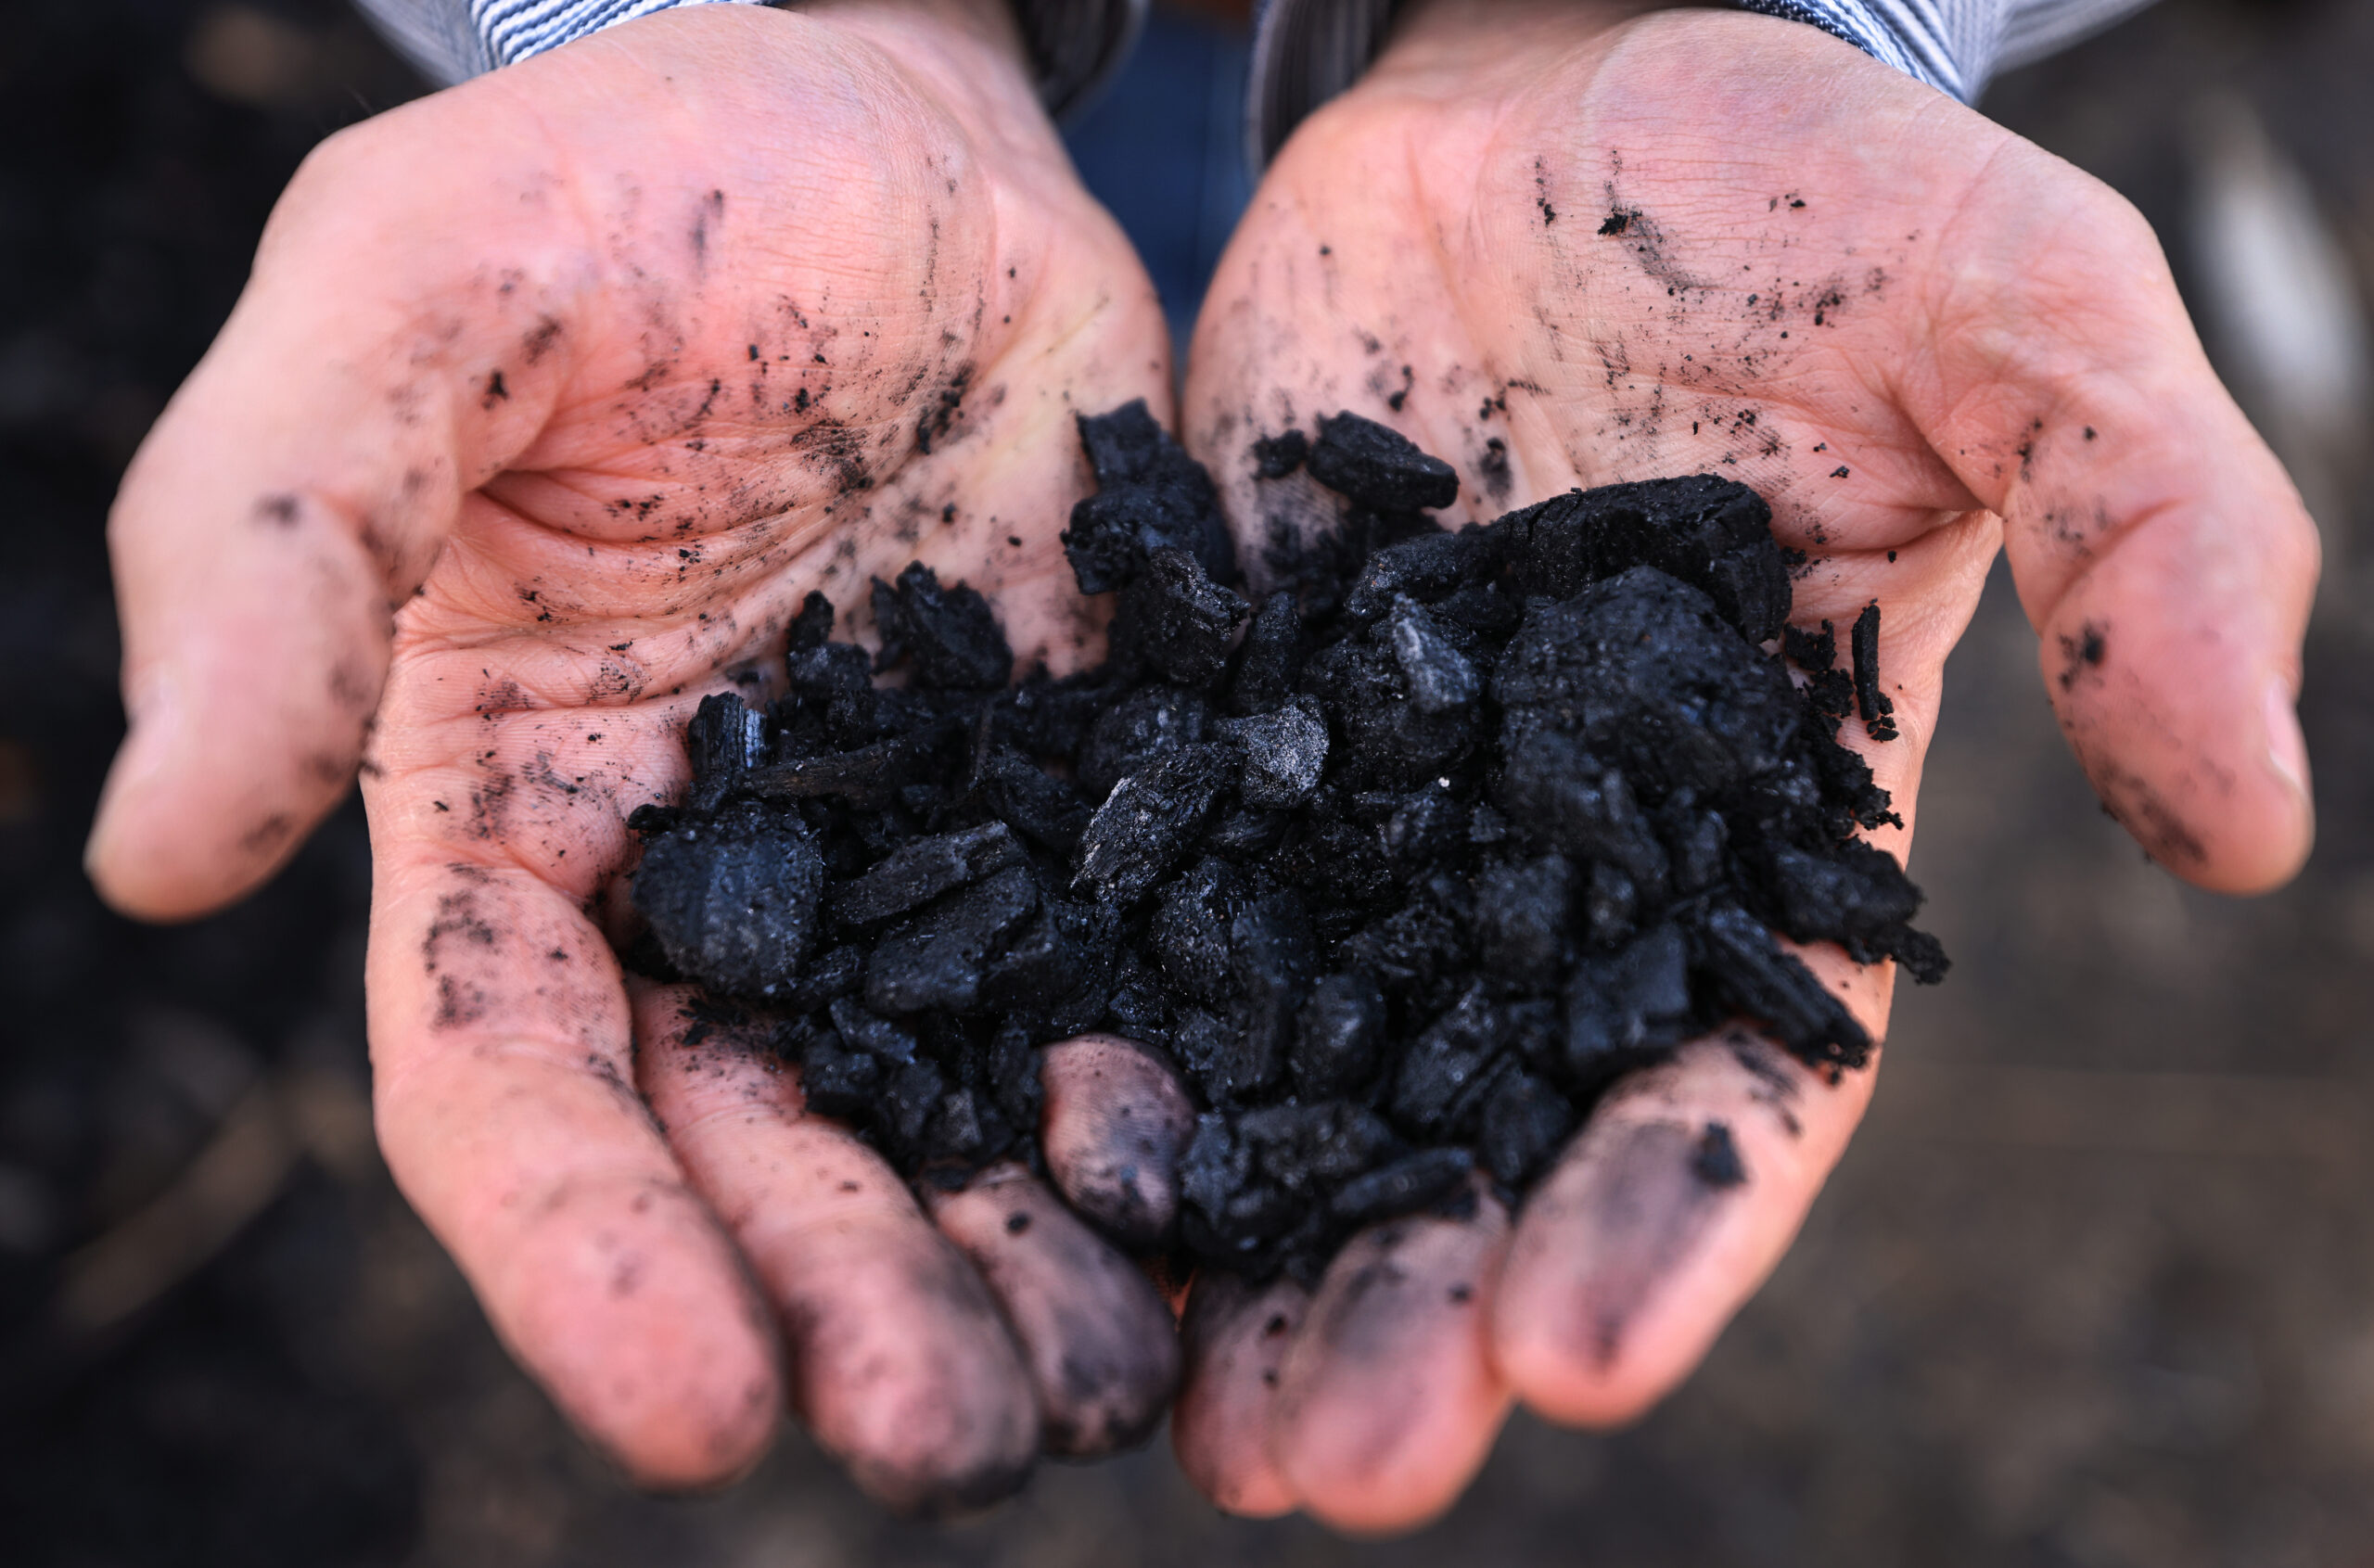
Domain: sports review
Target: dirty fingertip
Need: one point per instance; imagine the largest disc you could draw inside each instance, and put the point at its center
(1098, 1341)
(1115, 1127)
(1388, 1401)
(1234, 1335)
(1587, 1326)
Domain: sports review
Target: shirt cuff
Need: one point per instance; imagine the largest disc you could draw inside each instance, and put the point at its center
(1074, 46)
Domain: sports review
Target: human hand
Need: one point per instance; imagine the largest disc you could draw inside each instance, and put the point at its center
(551, 398)
(1572, 244)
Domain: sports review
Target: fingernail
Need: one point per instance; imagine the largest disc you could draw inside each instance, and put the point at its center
(2287, 749)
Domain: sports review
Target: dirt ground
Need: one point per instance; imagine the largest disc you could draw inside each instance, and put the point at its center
(2094, 1287)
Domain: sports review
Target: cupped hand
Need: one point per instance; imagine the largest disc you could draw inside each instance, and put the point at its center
(1563, 246)
(550, 399)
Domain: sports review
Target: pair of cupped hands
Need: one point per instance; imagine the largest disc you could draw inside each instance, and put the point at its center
(552, 395)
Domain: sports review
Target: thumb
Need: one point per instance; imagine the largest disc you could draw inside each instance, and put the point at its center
(297, 490)
(2160, 551)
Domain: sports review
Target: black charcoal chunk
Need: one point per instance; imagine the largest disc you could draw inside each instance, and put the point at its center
(1424, 828)
(733, 900)
(1251, 1178)
(1524, 1122)
(1642, 670)
(1188, 937)
(1389, 743)
(938, 959)
(949, 636)
(1439, 676)
(1276, 456)
(1272, 956)
(871, 775)
(1176, 622)
(1139, 730)
(1408, 1184)
(1337, 861)
(1022, 795)
(1244, 834)
(1058, 967)
(1767, 983)
(1520, 918)
(1854, 896)
(1269, 657)
(724, 741)
(919, 872)
(1043, 716)
(1611, 905)
(814, 624)
(1379, 467)
(1149, 496)
(1875, 705)
(1812, 652)
(910, 1096)
(1339, 1037)
(825, 976)
(1557, 794)
(1427, 569)
(1413, 949)
(870, 1032)
(1449, 1070)
(1712, 533)
(1697, 844)
(1284, 754)
(1624, 1007)
(1148, 822)
(837, 1082)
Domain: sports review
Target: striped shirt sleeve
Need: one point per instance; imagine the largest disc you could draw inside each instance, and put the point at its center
(1074, 46)
(1307, 51)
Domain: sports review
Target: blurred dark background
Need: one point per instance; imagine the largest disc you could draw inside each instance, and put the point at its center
(2094, 1287)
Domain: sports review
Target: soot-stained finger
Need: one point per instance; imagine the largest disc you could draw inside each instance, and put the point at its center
(1234, 1336)
(1100, 1342)
(902, 1366)
(1115, 1126)
(1664, 1216)
(1387, 1400)
(501, 1055)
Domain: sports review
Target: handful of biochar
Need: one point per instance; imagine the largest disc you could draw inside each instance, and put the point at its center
(1400, 868)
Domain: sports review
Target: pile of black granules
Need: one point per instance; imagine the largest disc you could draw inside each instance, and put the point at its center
(1401, 866)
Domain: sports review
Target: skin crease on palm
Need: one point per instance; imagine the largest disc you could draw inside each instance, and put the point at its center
(1563, 246)
(595, 411)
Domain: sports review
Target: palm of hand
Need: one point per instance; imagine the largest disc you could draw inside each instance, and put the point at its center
(1703, 242)
(606, 396)
(827, 301)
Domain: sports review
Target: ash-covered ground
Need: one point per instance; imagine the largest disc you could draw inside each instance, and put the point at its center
(2094, 1286)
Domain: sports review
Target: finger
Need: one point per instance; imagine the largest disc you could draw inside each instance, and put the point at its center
(2162, 553)
(1100, 1345)
(1663, 1217)
(902, 1366)
(1115, 1126)
(502, 1061)
(1233, 1338)
(1387, 1402)
(300, 483)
